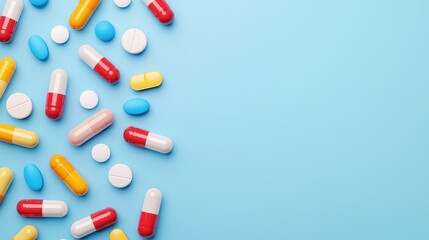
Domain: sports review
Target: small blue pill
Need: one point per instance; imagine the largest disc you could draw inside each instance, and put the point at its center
(105, 31)
(33, 177)
(136, 106)
(39, 3)
(38, 47)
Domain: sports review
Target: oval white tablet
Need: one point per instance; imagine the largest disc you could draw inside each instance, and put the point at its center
(19, 106)
(120, 175)
(88, 99)
(59, 34)
(134, 41)
(122, 3)
(100, 152)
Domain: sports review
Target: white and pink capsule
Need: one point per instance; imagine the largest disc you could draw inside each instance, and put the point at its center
(149, 215)
(57, 94)
(99, 63)
(145, 139)
(9, 19)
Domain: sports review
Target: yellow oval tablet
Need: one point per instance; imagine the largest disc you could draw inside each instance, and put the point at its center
(118, 234)
(146, 80)
(28, 232)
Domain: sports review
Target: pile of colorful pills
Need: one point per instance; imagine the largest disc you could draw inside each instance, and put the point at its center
(20, 106)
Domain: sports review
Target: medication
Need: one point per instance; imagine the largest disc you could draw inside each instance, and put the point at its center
(9, 19)
(99, 64)
(7, 69)
(104, 31)
(149, 214)
(145, 139)
(91, 127)
(88, 99)
(82, 13)
(161, 10)
(118, 234)
(39, 3)
(120, 175)
(93, 223)
(146, 81)
(37, 208)
(134, 41)
(68, 174)
(136, 106)
(33, 177)
(56, 97)
(100, 152)
(38, 47)
(122, 3)
(6, 177)
(28, 232)
(18, 136)
(60, 34)
(19, 106)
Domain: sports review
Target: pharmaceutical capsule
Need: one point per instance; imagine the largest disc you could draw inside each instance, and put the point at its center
(68, 174)
(118, 234)
(9, 19)
(99, 64)
(56, 94)
(7, 69)
(149, 214)
(18, 136)
(146, 81)
(149, 140)
(28, 232)
(6, 177)
(93, 223)
(161, 10)
(82, 13)
(41, 208)
(91, 127)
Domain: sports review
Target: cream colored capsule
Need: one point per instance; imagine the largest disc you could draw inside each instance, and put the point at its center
(28, 232)
(118, 234)
(6, 177)
(18, 136)
(146, 80)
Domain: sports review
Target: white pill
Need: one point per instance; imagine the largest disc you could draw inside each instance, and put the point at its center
(120, 175)
(60, 34)
(122, 3)
(88, 99)
(19, 106)
(134, 41)
(101, 152)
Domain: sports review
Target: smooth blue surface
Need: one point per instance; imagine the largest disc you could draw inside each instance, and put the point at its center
(105, 31)
(299, 120)
(38, 47)
(136, 106)
(33, 177)
(39, 3)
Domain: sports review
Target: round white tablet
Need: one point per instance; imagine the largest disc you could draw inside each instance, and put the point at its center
(122, 3)
(101, 152)
(60, 34)
(134, 41)
(19, 106)
(88, 99)
(120, 175)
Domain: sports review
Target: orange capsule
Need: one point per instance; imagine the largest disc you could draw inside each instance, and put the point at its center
(68, 174)
(82, 13)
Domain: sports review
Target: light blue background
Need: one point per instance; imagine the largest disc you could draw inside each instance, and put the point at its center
(291, 119)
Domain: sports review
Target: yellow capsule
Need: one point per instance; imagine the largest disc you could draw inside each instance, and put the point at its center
(18, 136)
(28, 232)
(6, 177)
(66, 172)
(146, 80)
(82, 13)
(7, 68)
(118, 234)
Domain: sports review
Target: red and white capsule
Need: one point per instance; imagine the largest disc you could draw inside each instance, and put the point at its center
(99, 63)
(145, 139)
(93, 223)
(161, 10)
(41, 208)
(57, 94)
(149, 214)
(9, 19)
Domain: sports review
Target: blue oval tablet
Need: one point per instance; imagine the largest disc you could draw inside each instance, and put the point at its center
(33, 177)
(39, 3)
(105, 31)
(38, 47)
(136, 106)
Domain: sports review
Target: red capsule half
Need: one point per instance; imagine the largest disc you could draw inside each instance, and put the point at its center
(161, 10)
(9, 19)
(56, 94)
